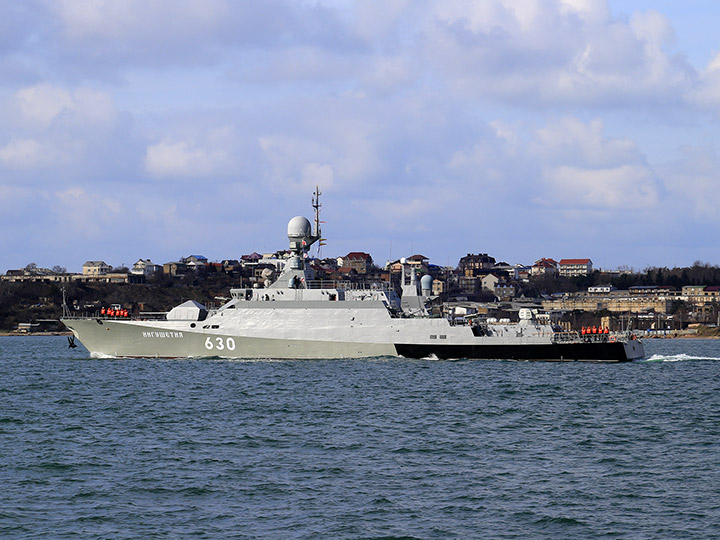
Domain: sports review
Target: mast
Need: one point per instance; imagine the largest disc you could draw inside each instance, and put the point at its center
(65, 308)
(316, 204)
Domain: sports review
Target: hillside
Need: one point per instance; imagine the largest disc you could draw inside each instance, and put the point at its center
(30, 302)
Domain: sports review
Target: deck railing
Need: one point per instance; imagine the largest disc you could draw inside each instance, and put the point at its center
(142, 316)
(348, 285)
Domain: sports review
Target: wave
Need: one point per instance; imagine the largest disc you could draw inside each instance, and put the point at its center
(677, 358)
(101, 355)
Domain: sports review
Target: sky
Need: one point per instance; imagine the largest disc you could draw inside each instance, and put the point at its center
(520, 128)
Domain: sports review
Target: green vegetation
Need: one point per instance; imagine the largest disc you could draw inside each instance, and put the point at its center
(708, 332)
(700, 273)
(30, 302)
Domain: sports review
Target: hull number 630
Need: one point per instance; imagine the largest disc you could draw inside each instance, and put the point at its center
(220, 344)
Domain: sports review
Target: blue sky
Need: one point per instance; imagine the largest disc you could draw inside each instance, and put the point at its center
(521, 128)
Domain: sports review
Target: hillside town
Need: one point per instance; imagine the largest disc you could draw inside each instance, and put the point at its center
(568, 292)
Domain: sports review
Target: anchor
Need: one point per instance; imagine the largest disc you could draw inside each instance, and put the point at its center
(71, 342)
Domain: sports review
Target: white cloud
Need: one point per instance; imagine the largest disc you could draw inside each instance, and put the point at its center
(571, 141)
(347, 145)
(43, 103)
(76, 200)
(389, 73)
(553, 52)
(104, 35)
(567, 164)
(622, 187)
(87, 215)
(582, 167)
(707, 93)
(428, 113)
(294, 164)
(537, 51)
(693, 182)
(110, 20)
(484, 166)
(374, 21)
(593, 11)
(93, 107)
(180, 159)
(29, 154)
(212, 156)
(653, 28)
(314, 174)
(398, 212)
(50, 125)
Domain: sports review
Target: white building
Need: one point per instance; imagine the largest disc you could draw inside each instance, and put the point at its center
(96, 268)
(601, 289)
(145, 267)
(575, 267)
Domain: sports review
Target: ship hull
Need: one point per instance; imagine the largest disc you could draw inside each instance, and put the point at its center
(108, 338)
(105, 338)
(558, 352)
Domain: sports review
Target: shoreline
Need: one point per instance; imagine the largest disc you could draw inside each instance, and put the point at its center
(21, 334)
(681, 336)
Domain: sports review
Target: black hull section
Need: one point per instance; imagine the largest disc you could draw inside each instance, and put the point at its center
(558, 352)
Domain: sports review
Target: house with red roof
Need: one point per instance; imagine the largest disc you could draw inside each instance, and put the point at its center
(575, 267)
(544, 267)
(359, 261)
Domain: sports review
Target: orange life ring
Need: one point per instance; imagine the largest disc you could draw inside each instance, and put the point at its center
(612, 339)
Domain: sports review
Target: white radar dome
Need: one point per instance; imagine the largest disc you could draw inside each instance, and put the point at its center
(299, 227)
(525, 314)
(426, 282)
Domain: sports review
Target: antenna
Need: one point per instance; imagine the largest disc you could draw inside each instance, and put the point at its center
(65, 308)
(316, 204)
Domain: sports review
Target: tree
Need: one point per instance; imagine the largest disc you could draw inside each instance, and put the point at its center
(660, 277)
(59, 269)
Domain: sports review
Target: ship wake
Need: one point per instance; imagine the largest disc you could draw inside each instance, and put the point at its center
(678, 358)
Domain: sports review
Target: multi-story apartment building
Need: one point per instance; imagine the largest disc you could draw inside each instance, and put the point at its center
(574, 267)
(615, 301)
(469, 264)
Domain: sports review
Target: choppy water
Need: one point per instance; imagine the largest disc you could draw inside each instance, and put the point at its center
(382, 448)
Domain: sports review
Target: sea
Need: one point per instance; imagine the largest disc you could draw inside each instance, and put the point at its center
(381, 448)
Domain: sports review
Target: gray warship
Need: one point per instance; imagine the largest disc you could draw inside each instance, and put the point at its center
(298, 317)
